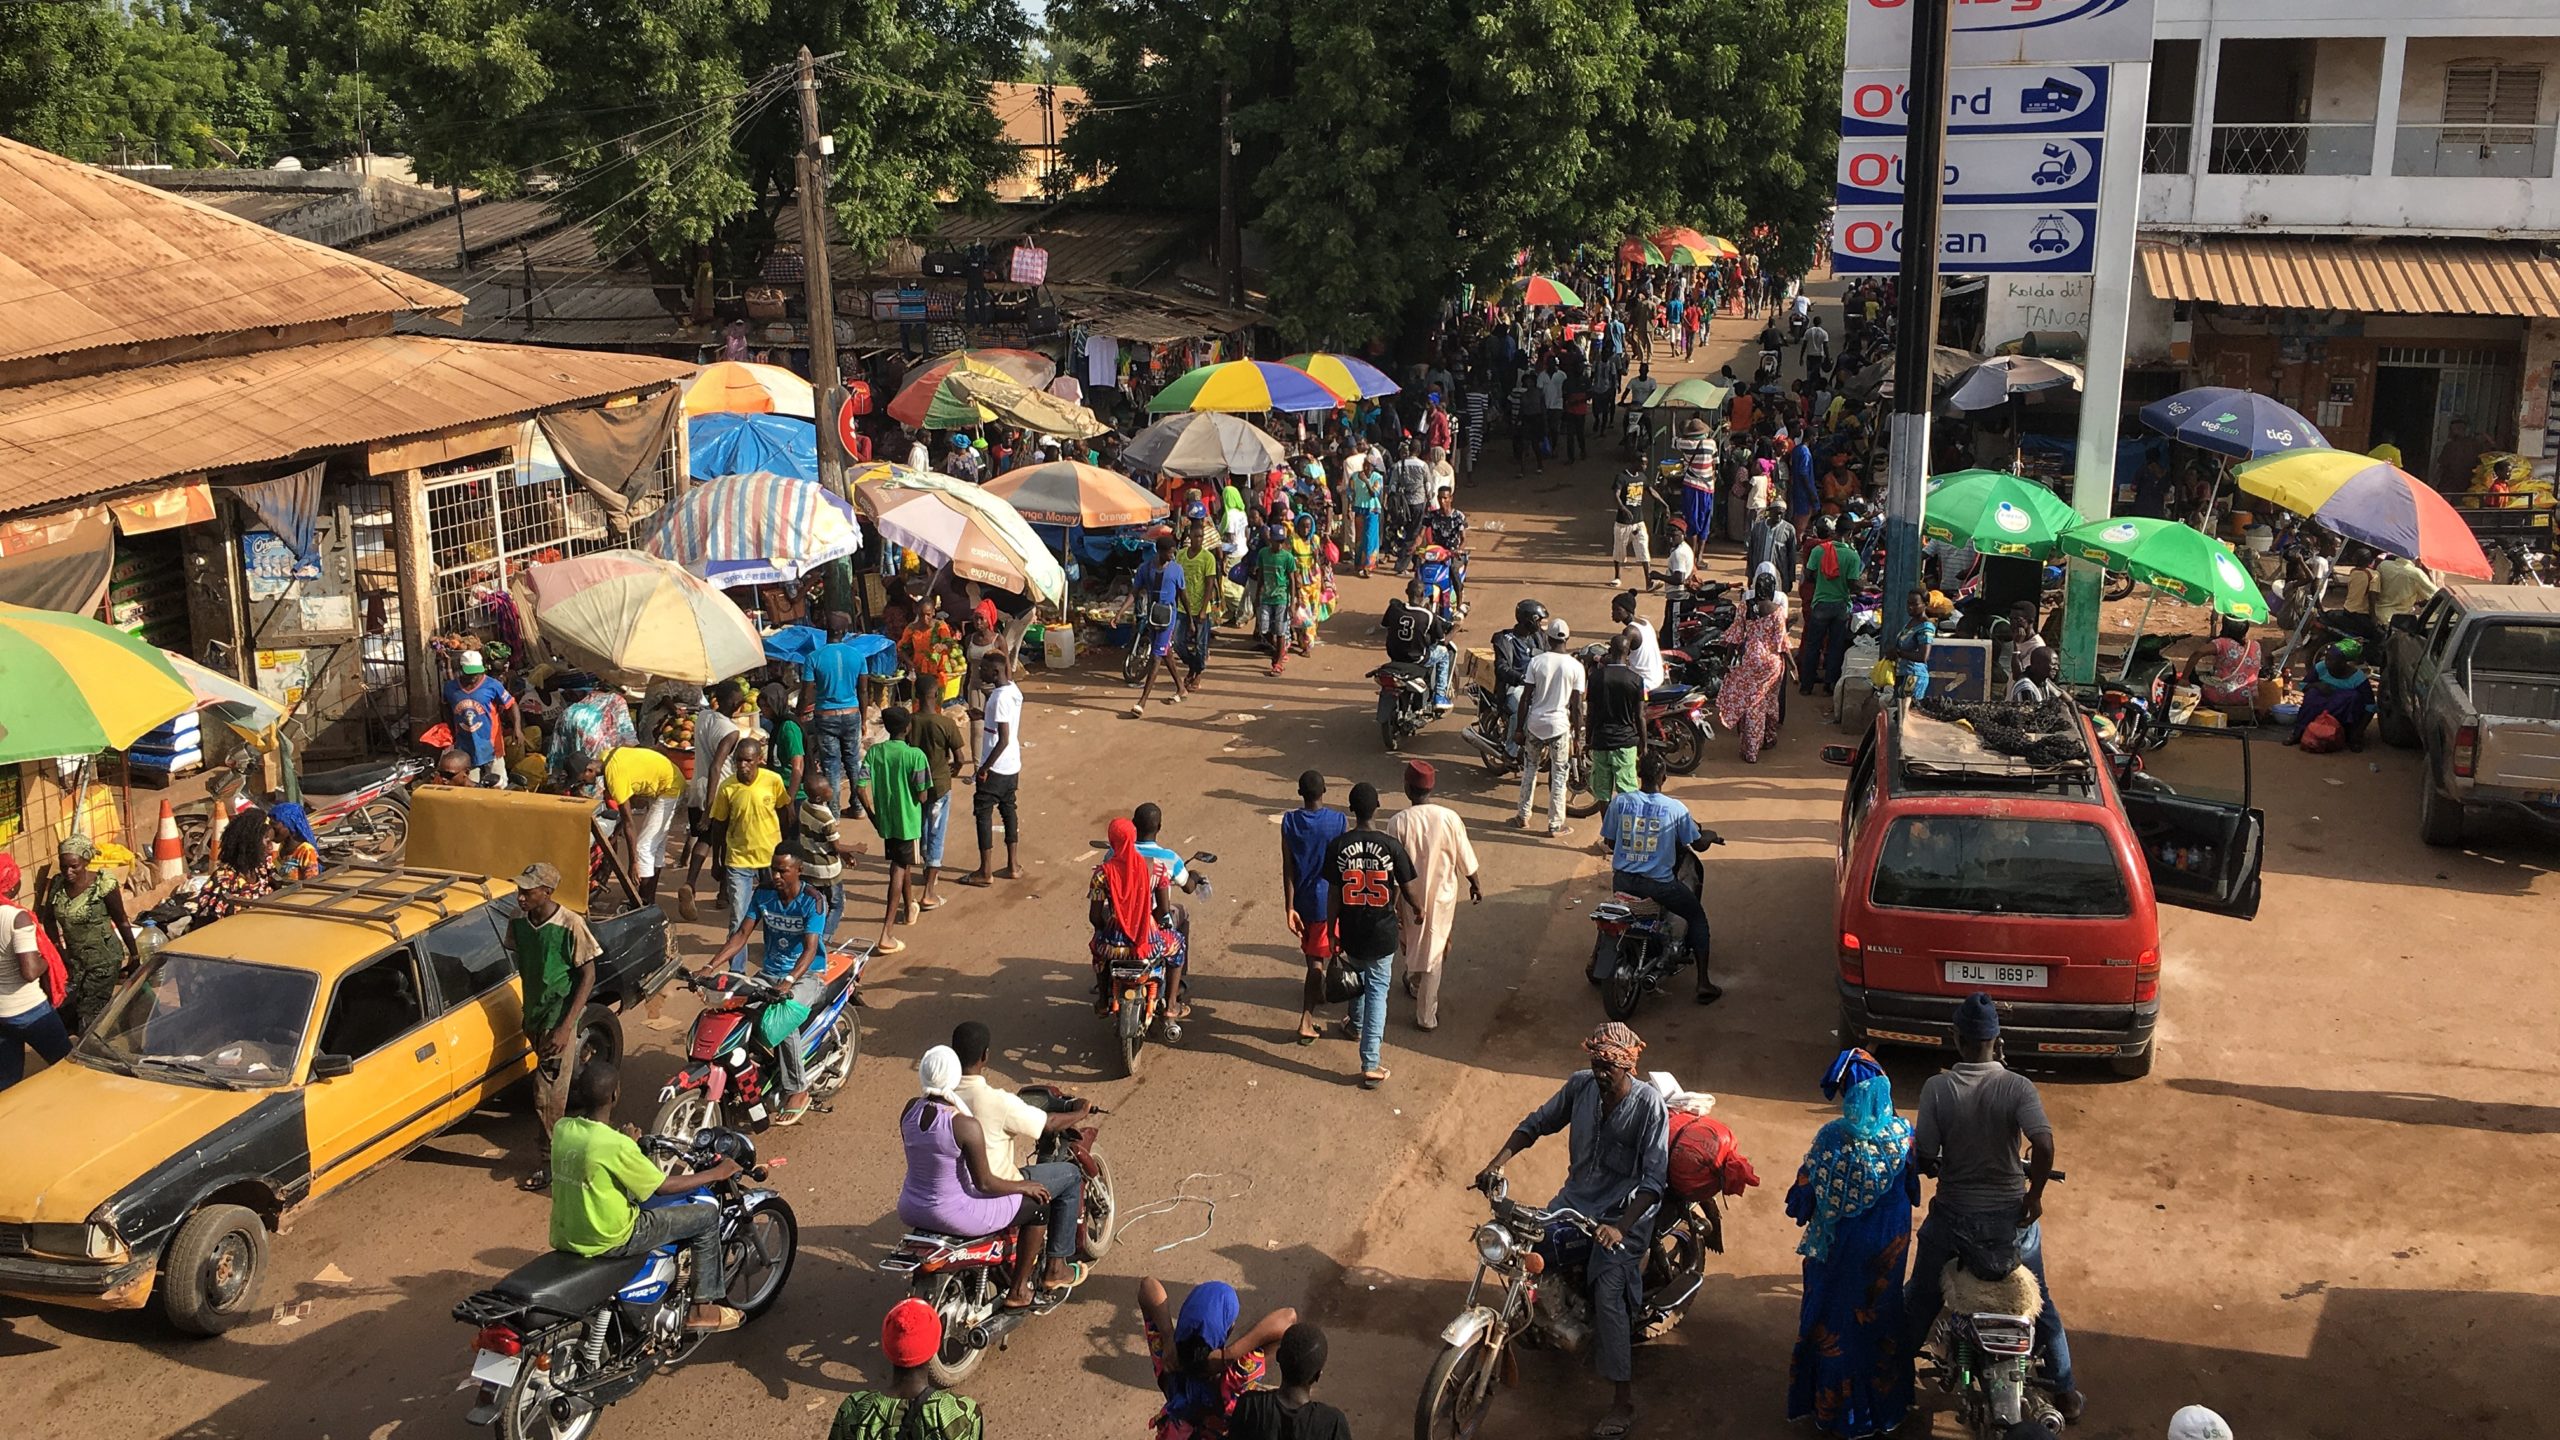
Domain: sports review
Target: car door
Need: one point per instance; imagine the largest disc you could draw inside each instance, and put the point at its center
(2431, 706)
(2202, 841)
(481, 1021)
(378, 1073)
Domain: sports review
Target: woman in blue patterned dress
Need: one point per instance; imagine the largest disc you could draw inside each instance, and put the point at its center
(1853, 1196)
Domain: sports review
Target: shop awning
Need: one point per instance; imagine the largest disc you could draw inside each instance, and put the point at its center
(100, 434)
(2383, 277)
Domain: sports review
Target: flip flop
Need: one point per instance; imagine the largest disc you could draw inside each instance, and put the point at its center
(728, 1317)
(536, 1183)
(935, 902)
(974, 883)
(889, 945)
(1371, 1080)
(790, 1116)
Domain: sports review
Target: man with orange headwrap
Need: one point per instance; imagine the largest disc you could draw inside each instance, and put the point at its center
(1618, 1173)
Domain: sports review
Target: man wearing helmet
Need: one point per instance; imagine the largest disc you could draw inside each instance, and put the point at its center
(1513, 649)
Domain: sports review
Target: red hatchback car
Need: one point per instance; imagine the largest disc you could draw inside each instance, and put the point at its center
(2034, 880)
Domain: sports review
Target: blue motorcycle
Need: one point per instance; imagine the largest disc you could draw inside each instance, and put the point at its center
(565, 1336)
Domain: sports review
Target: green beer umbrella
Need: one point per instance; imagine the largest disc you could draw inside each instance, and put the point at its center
(2174, 559)
(1997, 513)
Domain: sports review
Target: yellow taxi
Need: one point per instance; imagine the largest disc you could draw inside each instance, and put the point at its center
(256, 1064)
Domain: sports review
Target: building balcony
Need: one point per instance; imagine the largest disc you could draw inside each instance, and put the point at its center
(2473, 152)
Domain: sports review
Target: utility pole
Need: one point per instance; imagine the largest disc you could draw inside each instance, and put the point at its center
(815, 147)
(461, 236)
(1916, 312)
(1230, 246)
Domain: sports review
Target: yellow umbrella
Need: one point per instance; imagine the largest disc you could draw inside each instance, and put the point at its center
(632, 616)
(75, 687)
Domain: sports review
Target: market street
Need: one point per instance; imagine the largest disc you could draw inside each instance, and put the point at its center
(2297, 1218)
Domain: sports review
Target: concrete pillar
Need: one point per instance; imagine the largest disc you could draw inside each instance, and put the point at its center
(2386, 106)
(2208, 79)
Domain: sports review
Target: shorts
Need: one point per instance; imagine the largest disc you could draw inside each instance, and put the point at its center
(650, 821)
(1315, 941)
(901, 853)
(1628, 542)
(1613, 772)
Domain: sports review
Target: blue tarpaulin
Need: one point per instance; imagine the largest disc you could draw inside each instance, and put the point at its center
(796, 643)
(745, 444)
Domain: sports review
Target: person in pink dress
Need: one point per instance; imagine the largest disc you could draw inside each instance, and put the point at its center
(1748, 704)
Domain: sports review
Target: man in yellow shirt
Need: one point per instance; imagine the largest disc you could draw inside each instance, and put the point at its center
(647, 785)
(753, 805)
(2400, 586)
(2388, 451)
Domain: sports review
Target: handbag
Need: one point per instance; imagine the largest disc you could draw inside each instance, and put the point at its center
(1342, 979)
(2324, 735)
(1159, 615)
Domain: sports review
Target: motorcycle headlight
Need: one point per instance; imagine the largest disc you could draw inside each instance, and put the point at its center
(91, 1241)
(1493, 1247)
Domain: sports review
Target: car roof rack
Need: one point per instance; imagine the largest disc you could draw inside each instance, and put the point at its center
(1940, 751)
(363, 894)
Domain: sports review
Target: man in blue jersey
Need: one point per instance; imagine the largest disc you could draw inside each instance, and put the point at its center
(1646, 831)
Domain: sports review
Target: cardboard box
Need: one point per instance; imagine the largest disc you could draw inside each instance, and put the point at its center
(1475, 667)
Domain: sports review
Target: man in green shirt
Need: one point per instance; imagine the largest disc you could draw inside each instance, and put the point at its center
(900, 778)
(1831, 572)
(910, 1336)
(945, 748)
(556, 959)
(1275, 579)
(600, 1178)
(1204, 585)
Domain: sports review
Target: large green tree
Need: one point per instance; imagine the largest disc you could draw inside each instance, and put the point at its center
(52, 59)
(1387, 153)
(672, 123)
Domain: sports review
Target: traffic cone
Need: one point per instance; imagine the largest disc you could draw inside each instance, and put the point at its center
(168, 857)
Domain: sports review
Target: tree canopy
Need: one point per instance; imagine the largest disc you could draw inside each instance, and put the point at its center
(1385, 153)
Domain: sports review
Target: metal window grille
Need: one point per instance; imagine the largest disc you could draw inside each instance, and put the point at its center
(487, 520)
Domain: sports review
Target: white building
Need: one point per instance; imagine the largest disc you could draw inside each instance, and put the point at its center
(2351, 205)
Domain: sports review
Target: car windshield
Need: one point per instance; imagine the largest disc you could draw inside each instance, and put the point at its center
(2518, 650)
(200, 1020)
(1981, 865)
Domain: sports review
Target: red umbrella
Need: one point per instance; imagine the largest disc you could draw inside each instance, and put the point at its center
(1546, 290)
(1027, 368)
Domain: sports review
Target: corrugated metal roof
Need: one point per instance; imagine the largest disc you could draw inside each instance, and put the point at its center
(2385, 277)
(91, 260)
(490, 225)
(63, 439)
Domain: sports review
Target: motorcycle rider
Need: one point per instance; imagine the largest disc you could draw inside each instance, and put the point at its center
(1645, 831)
(1621, 1149)
(1013, 1127)
(1148, 821)
(793, 961)
(1418, 636)
(1513, 649)
(1972, 1117)
(1446, 527)
(598, 1179)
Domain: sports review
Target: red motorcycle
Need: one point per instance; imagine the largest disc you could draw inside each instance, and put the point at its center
(965, 1277)
(1677, 727)
(729, 1077)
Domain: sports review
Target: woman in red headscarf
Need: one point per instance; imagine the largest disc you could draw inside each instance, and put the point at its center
(31, 985)
(1130, 904)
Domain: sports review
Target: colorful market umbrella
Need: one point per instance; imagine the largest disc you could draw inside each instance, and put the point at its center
(969, 397)
(1681, 235)
(758, 529)
(914, 399)
(1690, 394)
(2236, 423)
(717, 445)
(2173, 558)
(633, 617)
(1244, 386)
(958, 524)
(1638, 251)
(76, 687)
(1996, 513)
(1548, 290)
(1202, 443)
(2003, 378)
(2369, 500)
(1345, 375)
(736, 387)
(1070, 492)
(234, 704)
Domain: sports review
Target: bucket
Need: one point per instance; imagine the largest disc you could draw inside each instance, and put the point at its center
(2259, 539)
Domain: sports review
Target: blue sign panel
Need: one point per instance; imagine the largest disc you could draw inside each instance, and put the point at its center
(1983, 100)
(1980, 170)
(1971, 241)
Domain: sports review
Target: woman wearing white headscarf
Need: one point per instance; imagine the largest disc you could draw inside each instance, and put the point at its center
(950, 1188)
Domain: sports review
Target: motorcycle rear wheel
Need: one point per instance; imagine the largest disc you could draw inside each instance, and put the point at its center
(1457, 1394)
(1134, 664)
(524, 1411)
(1624, 988)
(378, 831)
(1682, 748)
(957, 1360)
(1099, 1226)
(831, 1068)
(1389, 733)
(1133, 1036)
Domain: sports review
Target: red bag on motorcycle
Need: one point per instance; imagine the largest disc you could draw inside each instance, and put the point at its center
(1705, 1158)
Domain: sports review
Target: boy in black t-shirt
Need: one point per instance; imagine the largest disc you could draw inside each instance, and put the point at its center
(1291, 1412)
(1371, 875)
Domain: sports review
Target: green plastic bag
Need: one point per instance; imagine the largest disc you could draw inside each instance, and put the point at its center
(777, 1021)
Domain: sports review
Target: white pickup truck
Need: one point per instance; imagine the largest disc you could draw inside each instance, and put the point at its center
(2473, 679)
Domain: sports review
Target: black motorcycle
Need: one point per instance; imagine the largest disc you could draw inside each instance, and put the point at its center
(566, 1335)
(1404, 701)
(1633, 952)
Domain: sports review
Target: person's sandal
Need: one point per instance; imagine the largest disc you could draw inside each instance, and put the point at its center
(1372, 1079)
(724, 1317)
(536, 1183)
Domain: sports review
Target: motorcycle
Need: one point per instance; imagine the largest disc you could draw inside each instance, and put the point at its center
(1513, 1251)
(1490, 735)
(565, 1336)
(361, 812)
(964, 1277)
(1676, 726)
(729, 1065)
(1133, 988)
(1982, 1351)
(1632, 955)
(1144, 631)
(1404, 701)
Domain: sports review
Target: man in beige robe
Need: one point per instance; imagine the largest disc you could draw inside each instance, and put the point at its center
(1436, 839)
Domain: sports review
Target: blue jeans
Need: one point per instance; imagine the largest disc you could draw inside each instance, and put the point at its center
(737, 890)
(937, 828)
(1191, 637)
(1924, 1296)
(41, 1028)
(696, 1228)
(1065, 1184)
(1369, 1008)
(835, 741)
(1272, 619)
(1439, 662)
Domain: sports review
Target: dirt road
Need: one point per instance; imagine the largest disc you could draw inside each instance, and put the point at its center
(2326, 1213)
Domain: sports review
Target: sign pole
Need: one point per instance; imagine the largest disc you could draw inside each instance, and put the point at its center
(1924, 181)
(2093, 483)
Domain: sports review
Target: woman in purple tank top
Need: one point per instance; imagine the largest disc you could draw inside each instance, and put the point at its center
(949, 1186)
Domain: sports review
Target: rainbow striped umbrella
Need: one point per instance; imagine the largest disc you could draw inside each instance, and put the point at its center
(1548, 290)
(756, 529)
(630, 616)
(1344, 375)
(2370, 500)
(1244, 387)
(1639, 251)
(76, 687)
